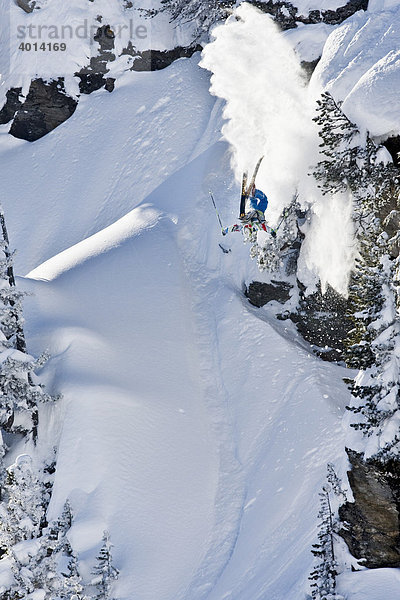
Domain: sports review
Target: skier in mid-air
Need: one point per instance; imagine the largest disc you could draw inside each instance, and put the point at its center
(254, 219)
(258, 202)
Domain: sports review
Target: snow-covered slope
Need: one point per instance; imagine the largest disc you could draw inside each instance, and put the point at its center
(104, 161)
(201, 431)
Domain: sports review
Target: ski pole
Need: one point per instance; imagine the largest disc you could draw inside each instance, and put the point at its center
(216, 210)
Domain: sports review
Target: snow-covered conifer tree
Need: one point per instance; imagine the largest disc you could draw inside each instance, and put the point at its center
(57, 530)
(280, 252)
(11, 318)
(72, 587)
(355, 164)
(104, 571)
(41, 557)
(323, 577)
(20, 391)
(202, 14)
(339, 146)
(22, 512)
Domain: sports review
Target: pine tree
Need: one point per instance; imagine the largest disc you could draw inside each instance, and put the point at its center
(11, 319)
(335, 483)
(50, 566)
(71, 585)
(104, 571)
(376, 389)
(24, 506)
(352, 163)
(20, 392)
(372, 344)
(202, 14)
(339, 146)
(323, 577)
(364, 305)
(280, 252)
(3, 472)
(57, 531)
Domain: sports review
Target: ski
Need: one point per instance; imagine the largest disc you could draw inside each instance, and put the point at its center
(246, 189)
(253, 179)
(224, 250)
(243, 196)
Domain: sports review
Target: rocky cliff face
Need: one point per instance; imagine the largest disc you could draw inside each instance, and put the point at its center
(371, 522)
(286, 13)
(93, 76)
(260, 293)
(321, 318)
(45, 107)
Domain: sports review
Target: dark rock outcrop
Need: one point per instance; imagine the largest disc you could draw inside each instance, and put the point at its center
(93, 77)
(91, 82)
(46, 106)
(155, 60)
(392, 144)
(309, 67)
(27, 5)
(260, 293)
(322, 320)
(371, 522)
(335, 17)
(12, 104)
(285, 14)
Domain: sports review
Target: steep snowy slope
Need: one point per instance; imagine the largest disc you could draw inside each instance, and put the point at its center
(101, 163)
(209, 429)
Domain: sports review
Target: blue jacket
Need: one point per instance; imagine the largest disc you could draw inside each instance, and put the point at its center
(259, 201)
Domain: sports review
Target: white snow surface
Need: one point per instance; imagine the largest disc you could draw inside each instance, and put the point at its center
(305, 6)
(308, 41)
(137, 125)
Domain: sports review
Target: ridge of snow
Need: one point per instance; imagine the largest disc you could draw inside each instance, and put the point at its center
(112, 138)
